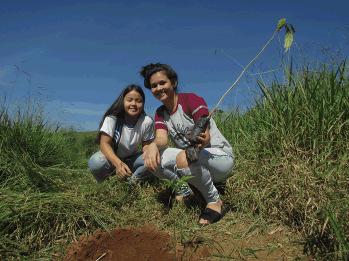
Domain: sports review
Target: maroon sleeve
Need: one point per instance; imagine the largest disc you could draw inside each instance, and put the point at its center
(197, 106)
(159, 119)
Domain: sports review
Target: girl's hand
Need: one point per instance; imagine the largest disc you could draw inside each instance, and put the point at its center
(151, 156)
(201, 140)
(122, 170)
(204, 139)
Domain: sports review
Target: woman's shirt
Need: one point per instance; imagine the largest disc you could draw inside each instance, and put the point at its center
(190, 108)
(128, 140)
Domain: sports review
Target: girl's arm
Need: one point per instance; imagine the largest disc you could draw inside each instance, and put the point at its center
(105, 144)
(151, 154)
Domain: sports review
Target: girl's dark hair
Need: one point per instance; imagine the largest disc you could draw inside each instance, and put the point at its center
(148, 70)
(117, 107)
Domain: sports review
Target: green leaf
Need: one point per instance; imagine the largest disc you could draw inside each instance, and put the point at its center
(281, 23)
(168, 183)
(176, 183)
(288, 37)
(264, 90)
(186, 178)
(288, 41)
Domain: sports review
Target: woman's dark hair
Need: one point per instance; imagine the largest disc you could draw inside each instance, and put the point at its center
(117, 107)
(148, 70)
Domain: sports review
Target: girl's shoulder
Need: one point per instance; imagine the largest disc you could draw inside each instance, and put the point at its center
(110, 117)
(191, 102)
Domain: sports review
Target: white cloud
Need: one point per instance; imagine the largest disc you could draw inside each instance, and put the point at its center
(79, 115)
(83, 111)
(79, 108)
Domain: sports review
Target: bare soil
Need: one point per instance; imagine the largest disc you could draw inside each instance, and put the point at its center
(145, 243)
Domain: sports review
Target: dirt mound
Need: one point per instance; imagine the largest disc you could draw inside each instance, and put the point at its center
(144, 243)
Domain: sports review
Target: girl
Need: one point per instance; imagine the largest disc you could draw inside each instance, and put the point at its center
(176, 118)
(123, 129)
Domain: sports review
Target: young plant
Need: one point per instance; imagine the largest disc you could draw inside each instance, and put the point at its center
(177, 184)
(289, 31)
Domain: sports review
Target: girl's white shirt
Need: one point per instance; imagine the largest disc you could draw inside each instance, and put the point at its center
(132, 137)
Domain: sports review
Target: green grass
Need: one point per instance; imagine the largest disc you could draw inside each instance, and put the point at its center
(292, 157)
(291, 167)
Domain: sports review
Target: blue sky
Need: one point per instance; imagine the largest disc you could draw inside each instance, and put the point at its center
(76, 56)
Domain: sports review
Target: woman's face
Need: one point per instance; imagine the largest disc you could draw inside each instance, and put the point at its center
(133, 103)
(161, 87)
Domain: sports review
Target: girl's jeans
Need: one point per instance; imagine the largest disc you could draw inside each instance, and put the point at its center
(214, 166)
(101, 168)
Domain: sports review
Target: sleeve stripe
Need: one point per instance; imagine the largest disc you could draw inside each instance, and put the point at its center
(160, 122)
(198, 108)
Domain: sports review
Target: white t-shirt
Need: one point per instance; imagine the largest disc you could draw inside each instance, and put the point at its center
(132, 137)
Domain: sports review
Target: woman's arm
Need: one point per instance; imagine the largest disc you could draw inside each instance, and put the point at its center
(105, 144)
(161, 138)
(151, 154)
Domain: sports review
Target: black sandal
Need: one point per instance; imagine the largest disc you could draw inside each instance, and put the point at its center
(211, 215)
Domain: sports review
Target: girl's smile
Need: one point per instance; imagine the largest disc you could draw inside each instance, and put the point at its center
(133, 104)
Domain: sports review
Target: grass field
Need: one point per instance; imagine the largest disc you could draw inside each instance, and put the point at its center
(292, 158)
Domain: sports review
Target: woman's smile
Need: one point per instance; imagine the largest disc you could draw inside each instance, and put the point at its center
(161, 87)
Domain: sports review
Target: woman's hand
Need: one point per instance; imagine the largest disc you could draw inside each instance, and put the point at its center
(122, 170)
(204, 139)
(151, 156)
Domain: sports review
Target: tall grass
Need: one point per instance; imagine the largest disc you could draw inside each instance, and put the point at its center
(28, 144)
(292, 150)
(45, 199)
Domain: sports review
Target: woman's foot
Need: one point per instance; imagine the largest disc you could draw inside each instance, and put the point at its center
(212, 213)
(179, 198)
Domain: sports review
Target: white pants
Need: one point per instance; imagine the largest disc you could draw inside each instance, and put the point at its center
(214, 166)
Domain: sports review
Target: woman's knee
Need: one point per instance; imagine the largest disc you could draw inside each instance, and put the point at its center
(168, 157)
(100, 166)
(223, 170)
(97, 161)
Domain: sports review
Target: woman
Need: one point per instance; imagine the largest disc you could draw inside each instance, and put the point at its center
(176, 118)
(123, 129)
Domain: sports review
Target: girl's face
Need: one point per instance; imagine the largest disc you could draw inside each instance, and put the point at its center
(161, 87)
(133, 103)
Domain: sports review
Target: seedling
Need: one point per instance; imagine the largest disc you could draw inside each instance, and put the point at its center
(289, 31)
(176, 184)
(192, 152)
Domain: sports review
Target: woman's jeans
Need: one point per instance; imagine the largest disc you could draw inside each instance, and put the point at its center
(214, 166)
(101, 168)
